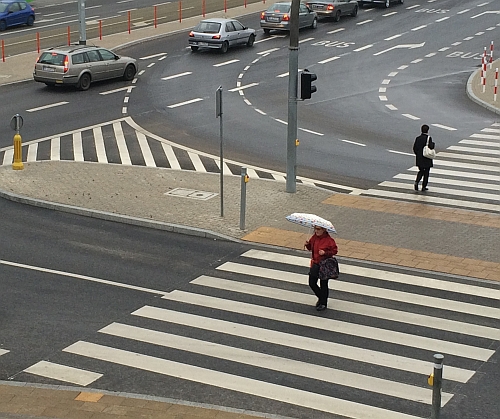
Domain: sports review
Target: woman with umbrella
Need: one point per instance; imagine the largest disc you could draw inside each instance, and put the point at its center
(322, 247)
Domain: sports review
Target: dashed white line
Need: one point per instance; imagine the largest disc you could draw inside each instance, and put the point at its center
(444, 127)
(418, 28)
(363, 48)
(187, 102)
(246, 86)
(382, 89)
(52, 105)
(151, 65)
(336, 30)
(383, 98)
(400, 152)
(305, 40)
(311, 132)
(259, 111)
(479, 34)
(268, 51)
(443, 49)
(226, 63)
(148, 57)
(174, 76)
(416, 61)
(393, 37)
(121, 89)
(456, 44)
(328, 60)
(390, 14)
(353, 142)
(386, 81)
(407, 115)
(443, 19)
(468, 38)
(364, 21)
(281, 121)
(403, 67)
(392, 74)
(430, 55)
(391, 107)
(413, 7)
(463, 11)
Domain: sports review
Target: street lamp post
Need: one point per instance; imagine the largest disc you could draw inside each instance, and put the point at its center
(293, 69)
(81, 20)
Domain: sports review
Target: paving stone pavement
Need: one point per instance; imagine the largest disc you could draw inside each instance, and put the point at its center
(405, 234)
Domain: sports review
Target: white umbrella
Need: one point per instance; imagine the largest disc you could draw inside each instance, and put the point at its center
(310, 220)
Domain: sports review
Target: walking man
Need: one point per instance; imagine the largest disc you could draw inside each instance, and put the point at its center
(424, 164)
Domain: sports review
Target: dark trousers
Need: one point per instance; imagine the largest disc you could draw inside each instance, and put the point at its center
(321, 291)
(423, 172)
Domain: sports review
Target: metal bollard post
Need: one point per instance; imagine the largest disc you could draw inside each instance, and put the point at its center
(436, 386)
(243, 201)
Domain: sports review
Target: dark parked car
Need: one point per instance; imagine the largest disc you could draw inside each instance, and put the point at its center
(334, 8)
(278, 17)
(13, 13)
(220, 34)
(385, 3)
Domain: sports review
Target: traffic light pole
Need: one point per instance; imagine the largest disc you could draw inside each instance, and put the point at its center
(293, 69)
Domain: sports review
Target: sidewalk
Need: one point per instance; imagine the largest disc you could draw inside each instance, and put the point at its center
(371, 229)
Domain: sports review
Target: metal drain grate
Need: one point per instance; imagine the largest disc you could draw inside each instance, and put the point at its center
(191, 193)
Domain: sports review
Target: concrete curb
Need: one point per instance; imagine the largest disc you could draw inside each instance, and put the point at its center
(139, 397)
(472, 96)
(118, 218)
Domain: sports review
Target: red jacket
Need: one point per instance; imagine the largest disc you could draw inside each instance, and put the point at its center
(323, 242)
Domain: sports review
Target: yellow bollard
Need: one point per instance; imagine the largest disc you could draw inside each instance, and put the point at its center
(18, 154)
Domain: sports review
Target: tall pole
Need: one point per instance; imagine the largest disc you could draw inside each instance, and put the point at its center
(293, 69)
(81, 20)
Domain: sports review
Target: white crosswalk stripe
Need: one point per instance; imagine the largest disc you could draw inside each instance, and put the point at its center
(476, 157)
(123, 142)
(379, 334)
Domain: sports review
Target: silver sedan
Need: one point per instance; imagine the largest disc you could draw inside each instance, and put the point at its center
(220, 34)
(334, 8)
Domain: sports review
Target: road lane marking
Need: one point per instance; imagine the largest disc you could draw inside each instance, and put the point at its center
(353, 142)
(410, 116)
(363, 48)
(63, 373)
(161, 54)
(246, 86)
(52, 105)
(444, 127)
(83, 277)
(226, 63)
(336, 30)
(268, 51)
(311, 132)
(187, 102)
(326, 60)
(121, 89)
(186, 73)
(364, 21)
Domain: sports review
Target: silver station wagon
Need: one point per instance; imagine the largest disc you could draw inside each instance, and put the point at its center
(80, 65)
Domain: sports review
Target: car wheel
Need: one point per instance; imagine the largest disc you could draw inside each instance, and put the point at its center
(30, 21)
(251, 40)
(267, 31)
(129, 73)
(314, 25)
(387, 3)
(336, 18)
(84, 82)
(224, 47)
(354, 11)
(3, 25)
(194, 48)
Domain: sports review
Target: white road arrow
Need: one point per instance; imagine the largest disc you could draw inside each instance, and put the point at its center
(495, 12)
(409, 46)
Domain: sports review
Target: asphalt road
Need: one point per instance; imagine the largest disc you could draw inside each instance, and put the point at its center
(227, 324)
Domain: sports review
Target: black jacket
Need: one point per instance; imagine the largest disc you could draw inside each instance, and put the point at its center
(418, 148)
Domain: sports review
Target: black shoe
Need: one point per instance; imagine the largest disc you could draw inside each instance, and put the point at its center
(425, 189)
(318, 303)
(321, 307)
(416, 186)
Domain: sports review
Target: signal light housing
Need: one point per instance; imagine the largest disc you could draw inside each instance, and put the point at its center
(306, 86)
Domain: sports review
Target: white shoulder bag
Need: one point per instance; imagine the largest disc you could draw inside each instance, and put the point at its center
(429, 153)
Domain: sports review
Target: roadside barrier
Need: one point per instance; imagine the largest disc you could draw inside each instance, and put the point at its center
(153, 16)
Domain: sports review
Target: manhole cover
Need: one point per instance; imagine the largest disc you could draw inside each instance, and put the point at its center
(191, 193)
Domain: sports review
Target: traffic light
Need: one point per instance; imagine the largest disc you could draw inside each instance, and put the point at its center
(306, 86)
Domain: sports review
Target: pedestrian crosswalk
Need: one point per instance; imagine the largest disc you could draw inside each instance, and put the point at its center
(466, 175)
(122, 141)
(251, 327)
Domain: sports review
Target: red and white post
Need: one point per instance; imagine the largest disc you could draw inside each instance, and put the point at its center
(483, 73)
(491, 54)
(495, 88)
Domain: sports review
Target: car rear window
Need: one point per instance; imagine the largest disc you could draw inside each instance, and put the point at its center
(52, 58)
(207, 27)
(279, 8)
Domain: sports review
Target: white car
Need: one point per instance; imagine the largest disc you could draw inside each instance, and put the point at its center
(220, 34)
